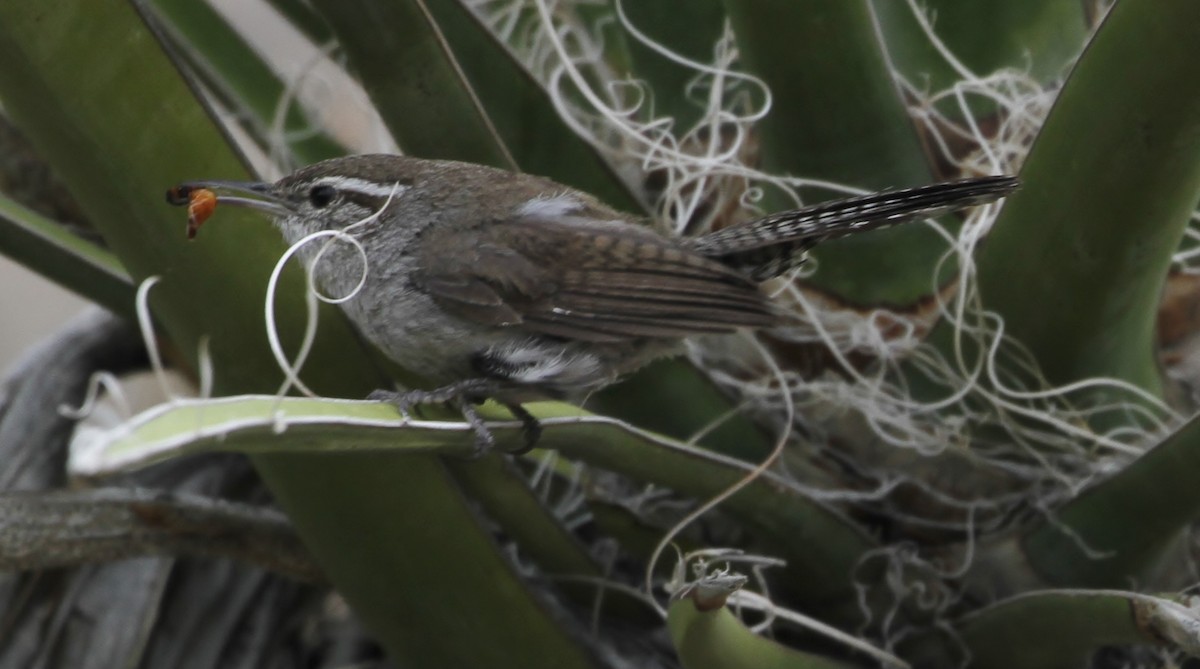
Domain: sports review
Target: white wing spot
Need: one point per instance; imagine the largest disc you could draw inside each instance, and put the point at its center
(550, 206)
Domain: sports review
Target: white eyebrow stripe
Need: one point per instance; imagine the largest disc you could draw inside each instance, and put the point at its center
(551, 206)
(364, 187)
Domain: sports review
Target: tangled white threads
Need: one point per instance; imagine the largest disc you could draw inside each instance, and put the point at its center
(204, 364)
(100, 381)
(146, 327)
(108, 383)
(1185, 258)
(906, 580)
(568, 502)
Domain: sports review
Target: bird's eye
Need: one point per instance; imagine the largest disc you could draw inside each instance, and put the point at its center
(322, 195)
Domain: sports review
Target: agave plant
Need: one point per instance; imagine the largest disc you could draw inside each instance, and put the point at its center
(968, 451)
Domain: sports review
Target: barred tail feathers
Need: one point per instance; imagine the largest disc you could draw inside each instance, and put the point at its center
(770, 246)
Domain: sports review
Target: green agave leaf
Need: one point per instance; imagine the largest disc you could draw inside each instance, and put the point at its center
(1126, 521)
(1077, 259)
(494, 481)
(637, 537)
(819, 544)
(711, 637)
(480, 105)
(246, 83)
(120, 126)
(517, 509)
(73, 263)
(393, 48)
(1063, 628)
(458, 602)
(837, 115)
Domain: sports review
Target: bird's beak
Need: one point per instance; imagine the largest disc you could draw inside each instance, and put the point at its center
(202, 197)
(226, 193)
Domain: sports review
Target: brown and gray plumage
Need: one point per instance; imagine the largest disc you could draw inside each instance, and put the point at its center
(492, 283)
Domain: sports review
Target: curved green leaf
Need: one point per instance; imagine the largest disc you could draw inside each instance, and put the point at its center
(73, 263)
(1077, 259)
(1126, 522)
(820, 545)
(508, 499)
(1063, 628)
(711, 637)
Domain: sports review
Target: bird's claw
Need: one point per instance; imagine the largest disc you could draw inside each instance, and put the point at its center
(463, 395)
(530, 427)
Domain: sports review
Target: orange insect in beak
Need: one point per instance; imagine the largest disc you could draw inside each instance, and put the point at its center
(201, 204)
(201, 199)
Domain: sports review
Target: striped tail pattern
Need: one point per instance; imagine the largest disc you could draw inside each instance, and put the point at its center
(767, 247)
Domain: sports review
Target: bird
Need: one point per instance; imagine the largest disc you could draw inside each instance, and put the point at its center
(492, 284)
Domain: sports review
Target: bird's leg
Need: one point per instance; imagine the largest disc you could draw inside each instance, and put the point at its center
(530, 427)
(406, 400)
(485, 441)
(464, 395)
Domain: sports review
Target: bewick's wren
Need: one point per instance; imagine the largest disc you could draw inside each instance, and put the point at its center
(511, 286)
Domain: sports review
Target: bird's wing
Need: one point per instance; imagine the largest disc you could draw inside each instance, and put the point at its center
(592, 282)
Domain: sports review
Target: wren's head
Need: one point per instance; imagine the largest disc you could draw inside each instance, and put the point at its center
(329, 195)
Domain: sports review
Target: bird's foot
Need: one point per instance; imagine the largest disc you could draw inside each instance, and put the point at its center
(464, 395)
(530, 427)
(475, 389)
